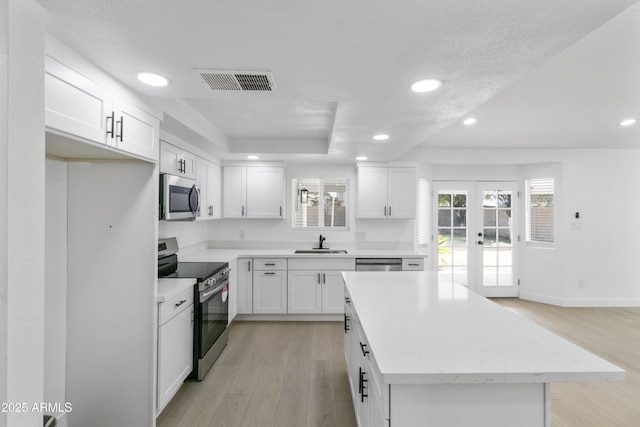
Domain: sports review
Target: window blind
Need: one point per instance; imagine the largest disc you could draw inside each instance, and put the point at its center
(540, 201)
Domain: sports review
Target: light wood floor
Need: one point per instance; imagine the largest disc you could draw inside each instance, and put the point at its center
(611, 333)
(293, 374)
(270, 374)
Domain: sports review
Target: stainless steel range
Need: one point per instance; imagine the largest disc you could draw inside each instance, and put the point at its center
(211, 297)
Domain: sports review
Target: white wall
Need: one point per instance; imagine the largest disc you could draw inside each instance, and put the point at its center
(4, 195)
(23, 200)
(55, 313)
(602, 186)
(383, 233)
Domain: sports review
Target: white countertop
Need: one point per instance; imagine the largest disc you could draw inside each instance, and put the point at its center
(228, 255)
(169, 288)
(425, 332)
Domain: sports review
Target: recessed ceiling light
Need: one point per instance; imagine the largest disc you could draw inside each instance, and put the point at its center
(427, 85)
(381, 137)
(470, 121)
(361, 158)
(253, 157)
(153, 79)
(627, 122)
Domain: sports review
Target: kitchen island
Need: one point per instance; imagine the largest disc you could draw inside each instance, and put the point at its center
(423, 352)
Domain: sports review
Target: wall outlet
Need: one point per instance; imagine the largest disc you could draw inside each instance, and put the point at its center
(241, 234)
(580, 284)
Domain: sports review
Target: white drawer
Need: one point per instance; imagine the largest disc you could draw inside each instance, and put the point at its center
(171, 308)
(338, 264)
(261, 264)
(412, 264)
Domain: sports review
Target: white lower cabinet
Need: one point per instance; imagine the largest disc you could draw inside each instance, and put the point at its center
(316, 286)
(269, 286)
(175, 345)
(370, 396)
(244, 275)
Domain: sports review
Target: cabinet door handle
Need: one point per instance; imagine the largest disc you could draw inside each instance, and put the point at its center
(385, 211)
(361, 385)
(364, 352)
(347, 300)
(249, 266)
(324, 278)
(181, 302)
(318, 278)
(389, 211)
(280, 210)
(242, 211)
(346, 323)
(121, 122)
(112, 117)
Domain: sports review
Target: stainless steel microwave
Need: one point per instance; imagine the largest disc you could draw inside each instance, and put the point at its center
(179, 198)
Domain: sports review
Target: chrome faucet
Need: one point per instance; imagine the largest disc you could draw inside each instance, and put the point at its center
(322, 239)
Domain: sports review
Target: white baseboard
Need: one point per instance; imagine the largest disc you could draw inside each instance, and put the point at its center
(291, 317)
(545, 299)
(581, 302)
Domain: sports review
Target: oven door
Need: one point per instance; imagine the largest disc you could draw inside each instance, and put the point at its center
(179, 198)
(214, 315)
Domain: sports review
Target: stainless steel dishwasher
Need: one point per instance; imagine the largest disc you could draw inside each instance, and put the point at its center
(378, 264)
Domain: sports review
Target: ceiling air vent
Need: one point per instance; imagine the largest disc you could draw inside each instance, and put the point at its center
(261, 81)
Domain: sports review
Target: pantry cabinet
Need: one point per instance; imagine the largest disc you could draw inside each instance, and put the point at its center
(176, 161)
(208, 181)
(253, 192)
(386, 192)
(80, 108)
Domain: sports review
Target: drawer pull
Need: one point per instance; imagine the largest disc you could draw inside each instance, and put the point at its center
(347, 300)
(181, 302)
(270, 264)
(269, 272)
(413, 265)
(346, 323)
(364, 352)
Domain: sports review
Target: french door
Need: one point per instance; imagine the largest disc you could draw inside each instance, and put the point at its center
(475, 235)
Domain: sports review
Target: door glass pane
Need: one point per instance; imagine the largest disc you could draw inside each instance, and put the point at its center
(459, 237)
(489, 199)
(460, 200)
(504, 199)
(489, 236)
(444, 237)
(444, 217)
(505, 276)
(452, 236)
(444, 200)
(504, 217)
(490, 218)
(504, 237)
(490, 276)
(459, 217)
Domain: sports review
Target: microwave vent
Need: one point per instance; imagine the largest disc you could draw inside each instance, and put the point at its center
(260, 81)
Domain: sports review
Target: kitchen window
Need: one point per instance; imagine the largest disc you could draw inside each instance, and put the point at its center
(540, 222)
(319, 203)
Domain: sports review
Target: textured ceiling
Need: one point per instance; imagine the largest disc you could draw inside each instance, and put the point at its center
(343, 68)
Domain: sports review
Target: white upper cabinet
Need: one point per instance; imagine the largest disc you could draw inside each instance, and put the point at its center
(176, 161)
(74, 104)
(386, 192)
(136, 131)
(208, 181)
(77, 107)
(253, 192)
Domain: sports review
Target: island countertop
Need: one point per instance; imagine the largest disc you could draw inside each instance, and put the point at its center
(422, 331)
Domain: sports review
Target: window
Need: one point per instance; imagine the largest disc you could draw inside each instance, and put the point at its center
(540, 225)
(319, 203)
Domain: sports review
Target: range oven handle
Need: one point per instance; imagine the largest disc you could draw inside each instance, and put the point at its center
(205, 296)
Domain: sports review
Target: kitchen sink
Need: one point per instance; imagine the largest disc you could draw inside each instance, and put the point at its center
(320, 251)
